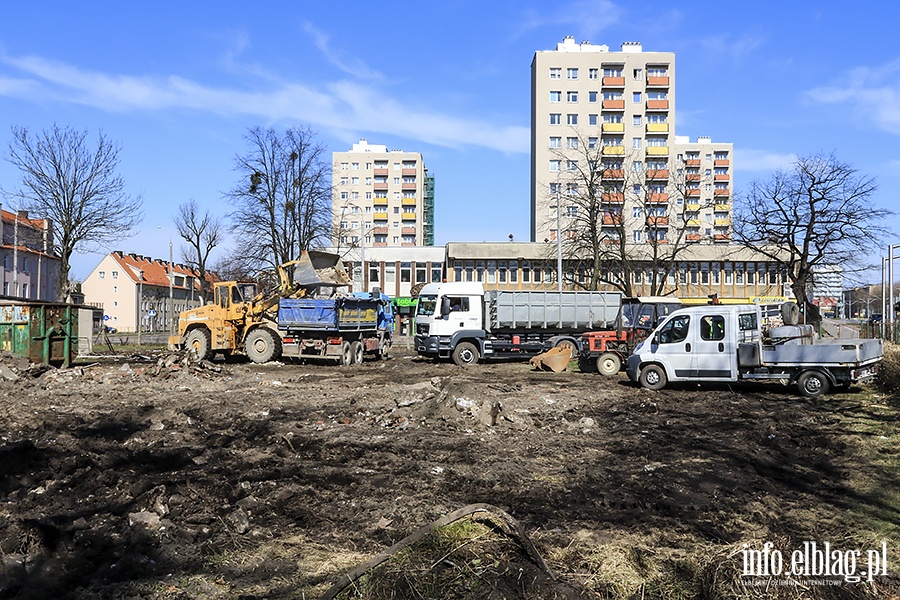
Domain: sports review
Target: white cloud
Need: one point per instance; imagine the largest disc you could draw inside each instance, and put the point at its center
(747, 159)
(352, 67)
(873, 95)
(342, 105)
(732, 47)
(585, 17)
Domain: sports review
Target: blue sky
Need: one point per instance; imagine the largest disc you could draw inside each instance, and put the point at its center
(177, 85)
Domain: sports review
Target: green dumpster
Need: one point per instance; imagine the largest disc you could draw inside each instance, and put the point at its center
(43, 332)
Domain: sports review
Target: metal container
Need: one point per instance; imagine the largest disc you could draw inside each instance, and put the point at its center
(43, 332)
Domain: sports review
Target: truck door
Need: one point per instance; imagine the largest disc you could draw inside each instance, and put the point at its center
(713, 353)
(672, 347)
(461, 312)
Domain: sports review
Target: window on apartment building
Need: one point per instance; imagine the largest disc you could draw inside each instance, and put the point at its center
(571, 211)
(345, 196)
(636, 120)
(571, 165)
(592, 119)
(572, 97)
(637, 235)
(592, 97)
(555, 142)
(555, 96)
(115, 274)
(729, 279)
(721, 156)
(612, 96)
(657, 95)
(571, 189)
(100, 274)
(572, 143)
(637, 166)
(638, 74)
(344, 181)
(593, 73)
(571, 119)
(592, 142)
(656, 118)
(636, 143)
(354, 180)
(555, 164)
(555, 118)
(345, 166)
(354, 166)
(657, 71)
(572, 73)
(405, 272)
(555, 72)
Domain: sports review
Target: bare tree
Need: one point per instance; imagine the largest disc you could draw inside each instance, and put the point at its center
(202, 233)
(76, 186)
(620, 214)
(282, 200)
(818, 212)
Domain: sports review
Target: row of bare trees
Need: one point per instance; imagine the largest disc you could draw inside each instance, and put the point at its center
(281, 201)
(817, 212)
(629, 213)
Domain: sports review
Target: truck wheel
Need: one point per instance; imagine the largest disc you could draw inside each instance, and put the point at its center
(609, 364)
(812, 384)
(263, 345)
(346, 355)
(198, 340)
(653, 377)
(465, 354)
(356, 352)
(586, 364)
(384, 348)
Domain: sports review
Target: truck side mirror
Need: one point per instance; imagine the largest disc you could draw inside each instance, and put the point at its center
(445, 306)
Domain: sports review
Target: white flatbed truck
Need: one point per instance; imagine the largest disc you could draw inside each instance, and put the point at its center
(729, 343)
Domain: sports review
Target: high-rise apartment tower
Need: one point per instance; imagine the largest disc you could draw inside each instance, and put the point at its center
(381, 198)
(607, 120)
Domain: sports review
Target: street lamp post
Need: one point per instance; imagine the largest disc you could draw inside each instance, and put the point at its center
(559, 269)
(171, 307)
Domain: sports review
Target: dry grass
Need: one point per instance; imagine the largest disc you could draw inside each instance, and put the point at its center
(889, 370)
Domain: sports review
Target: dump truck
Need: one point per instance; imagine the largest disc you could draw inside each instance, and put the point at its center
(463, 322)
(310, 314)
(730, 343)
(605, 351)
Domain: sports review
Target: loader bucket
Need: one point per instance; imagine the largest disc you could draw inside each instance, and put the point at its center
(555, 359)
(315, 268)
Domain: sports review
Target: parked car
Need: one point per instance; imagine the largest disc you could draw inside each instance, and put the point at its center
(875, 318)
(111, 329)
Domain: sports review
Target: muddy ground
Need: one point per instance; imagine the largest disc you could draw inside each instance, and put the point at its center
(143, 478)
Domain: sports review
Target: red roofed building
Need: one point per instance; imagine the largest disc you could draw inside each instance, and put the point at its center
(30, 267)
(131, 288)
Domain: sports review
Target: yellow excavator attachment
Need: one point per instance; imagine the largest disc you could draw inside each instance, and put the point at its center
(555, 359)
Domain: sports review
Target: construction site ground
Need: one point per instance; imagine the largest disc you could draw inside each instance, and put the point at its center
(155, 476)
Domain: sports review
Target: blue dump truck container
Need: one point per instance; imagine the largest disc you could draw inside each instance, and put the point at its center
(341, 329)
(43, 332)
(345, 313)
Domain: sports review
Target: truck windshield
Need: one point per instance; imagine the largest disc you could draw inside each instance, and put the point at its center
(426, 306)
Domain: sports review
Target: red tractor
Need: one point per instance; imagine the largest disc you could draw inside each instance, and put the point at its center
(605, 351)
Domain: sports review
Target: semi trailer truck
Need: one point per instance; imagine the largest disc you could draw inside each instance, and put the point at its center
(463, 322)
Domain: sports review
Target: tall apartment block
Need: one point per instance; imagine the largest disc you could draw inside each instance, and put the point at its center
(381, 198)
(615, 111)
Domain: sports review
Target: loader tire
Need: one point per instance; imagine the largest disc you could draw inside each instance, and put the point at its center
(198, 340)
(586, 364)
(263, 345)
